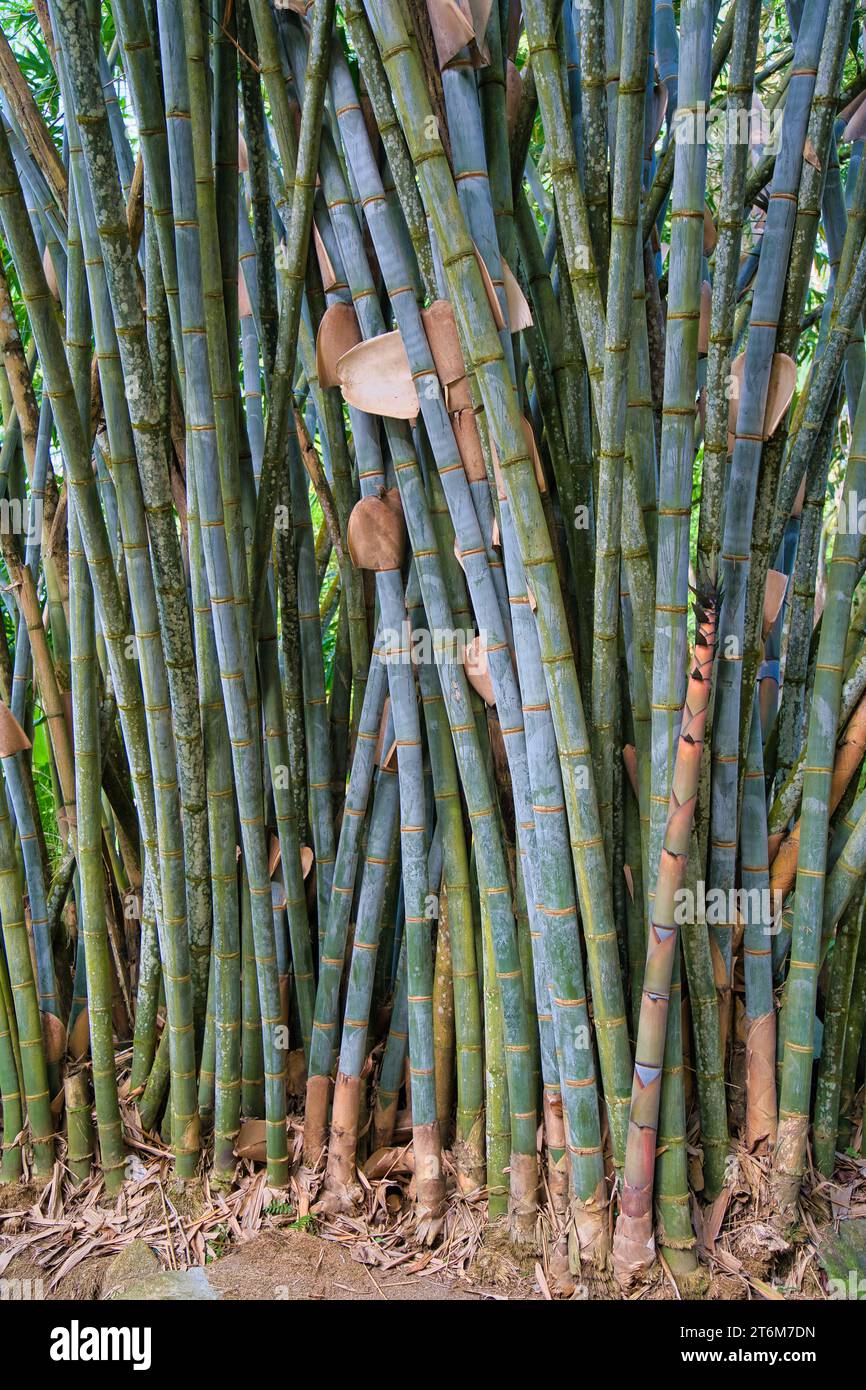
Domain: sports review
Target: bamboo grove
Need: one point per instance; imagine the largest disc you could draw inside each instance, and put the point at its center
(434, 625)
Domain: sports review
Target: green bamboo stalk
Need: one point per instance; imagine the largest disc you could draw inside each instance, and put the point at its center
(10, 1094)
(222, 826)
(214, 467)
(141, 73)
(676, 463)
(496, 1106)
(315, 711)
(708, 1059)
(729, 224)
(468, 1138)
(791, 719)
(853, 1041)
(153, 489)
(263, 260)
(444, 1030)
(147, 995)
(207, 1063)
(252, 1055)
(570, 201)
(79, 1126)
(789, 1155)
(399, 159)
(787, 802)
(93, 926)
(26, 1006)
(474, 190)
(680, 389)
(757, 950)
(817, 191)
(156, 1088)
(612, 418)
(97, 219)
(298, 242)
(560, 979)
(836, 1017)
(593, 97)
(88, 814)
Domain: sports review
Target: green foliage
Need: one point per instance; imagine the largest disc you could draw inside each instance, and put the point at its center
(276, 1208)
(305, 1223)
(46, 790)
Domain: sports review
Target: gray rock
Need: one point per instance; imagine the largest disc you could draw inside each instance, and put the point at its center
(134, 1262)
(175, 1285)
(842, 1252)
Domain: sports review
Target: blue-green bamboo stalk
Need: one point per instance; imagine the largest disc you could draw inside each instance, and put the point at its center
(217, 491)
(436, 605)
(222, 826)
(382, 844)
(742, 487)
(477, 326)
(393, 1061)
(324, 1042)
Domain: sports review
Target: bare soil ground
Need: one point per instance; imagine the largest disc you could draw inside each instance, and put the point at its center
(294, 1265)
